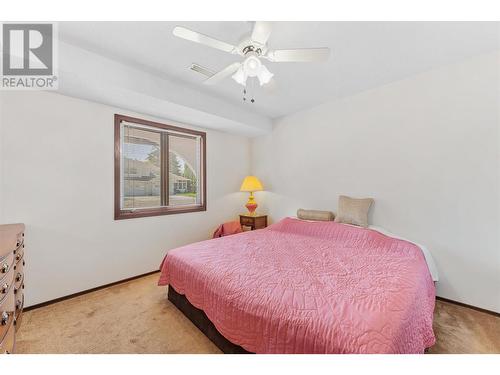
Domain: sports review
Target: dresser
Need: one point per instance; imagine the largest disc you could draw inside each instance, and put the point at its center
(11, 284)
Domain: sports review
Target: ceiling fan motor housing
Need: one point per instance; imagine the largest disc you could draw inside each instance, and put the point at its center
(250, 49)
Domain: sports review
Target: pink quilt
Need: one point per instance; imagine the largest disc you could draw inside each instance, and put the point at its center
(309, 287)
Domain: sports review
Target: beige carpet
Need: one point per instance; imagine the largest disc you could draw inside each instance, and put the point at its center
(136, 317)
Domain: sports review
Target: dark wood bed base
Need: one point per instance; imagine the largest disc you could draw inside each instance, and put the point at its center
(200, 320)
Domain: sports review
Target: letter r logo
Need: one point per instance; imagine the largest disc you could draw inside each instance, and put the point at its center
(27, 49)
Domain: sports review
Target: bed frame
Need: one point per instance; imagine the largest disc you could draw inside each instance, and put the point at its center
(200, 320)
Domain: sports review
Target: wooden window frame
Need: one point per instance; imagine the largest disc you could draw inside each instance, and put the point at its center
(164, 210)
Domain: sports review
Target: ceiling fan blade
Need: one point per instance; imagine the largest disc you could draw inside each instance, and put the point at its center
(196, 37)
(299, 55)
(261, 32)
(219, 76)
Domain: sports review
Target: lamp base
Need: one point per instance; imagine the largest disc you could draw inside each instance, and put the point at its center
(251, 207)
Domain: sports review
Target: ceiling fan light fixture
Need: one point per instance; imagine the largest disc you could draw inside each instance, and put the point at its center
(240, 76)
(264, 75)
(252, 65)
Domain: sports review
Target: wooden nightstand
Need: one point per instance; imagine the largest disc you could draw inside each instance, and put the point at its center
(254, 221)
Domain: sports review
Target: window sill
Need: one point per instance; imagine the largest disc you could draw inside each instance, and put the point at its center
(146, 212)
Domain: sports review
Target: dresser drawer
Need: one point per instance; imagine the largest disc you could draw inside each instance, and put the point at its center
(18, 280)
(246, 220)
(7, 286)
(19, 253)
(18, 289)
(11, 235)
(7, 337)
(19, 311)
(6, 318)
(19, 270)
(6, 266)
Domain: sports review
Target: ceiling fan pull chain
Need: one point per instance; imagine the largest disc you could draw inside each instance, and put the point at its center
(248, 90)
(252, 84)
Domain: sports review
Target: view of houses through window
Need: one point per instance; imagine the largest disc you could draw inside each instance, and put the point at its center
(141, 168)
(143, 172)
(183, 170)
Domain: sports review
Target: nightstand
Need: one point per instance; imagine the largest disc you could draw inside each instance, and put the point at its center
(254, 221)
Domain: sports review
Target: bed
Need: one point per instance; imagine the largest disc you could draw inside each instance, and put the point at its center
(305, 287)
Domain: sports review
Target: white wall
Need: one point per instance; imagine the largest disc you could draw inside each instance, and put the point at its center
(57, 157)
(426, 148)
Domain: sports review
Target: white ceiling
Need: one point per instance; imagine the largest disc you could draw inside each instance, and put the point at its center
(364, 54)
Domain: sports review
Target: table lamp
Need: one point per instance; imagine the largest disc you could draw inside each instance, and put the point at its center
(251, 184)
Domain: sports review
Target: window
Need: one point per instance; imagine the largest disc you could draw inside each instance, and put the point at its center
(159, 169)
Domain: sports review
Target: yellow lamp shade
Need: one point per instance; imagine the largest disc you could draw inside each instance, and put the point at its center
(251, 183)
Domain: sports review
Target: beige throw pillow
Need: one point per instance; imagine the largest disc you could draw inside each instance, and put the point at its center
(315, 215)
(353, 211)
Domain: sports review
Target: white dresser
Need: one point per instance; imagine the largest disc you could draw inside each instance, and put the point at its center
(11, 284)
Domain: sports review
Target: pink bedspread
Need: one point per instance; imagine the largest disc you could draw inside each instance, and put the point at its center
(309, 287)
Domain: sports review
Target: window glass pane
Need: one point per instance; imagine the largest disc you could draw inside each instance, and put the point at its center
(184, 171)
(141, 168)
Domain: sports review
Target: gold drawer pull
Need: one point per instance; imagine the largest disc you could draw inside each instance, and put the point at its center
(5, 268)
(18, 276)
(5, 317)
(5, 288)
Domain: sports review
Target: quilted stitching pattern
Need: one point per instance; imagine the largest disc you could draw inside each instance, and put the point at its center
(309, 287)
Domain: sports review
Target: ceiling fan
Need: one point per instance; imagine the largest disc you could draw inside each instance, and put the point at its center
(254, 49)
